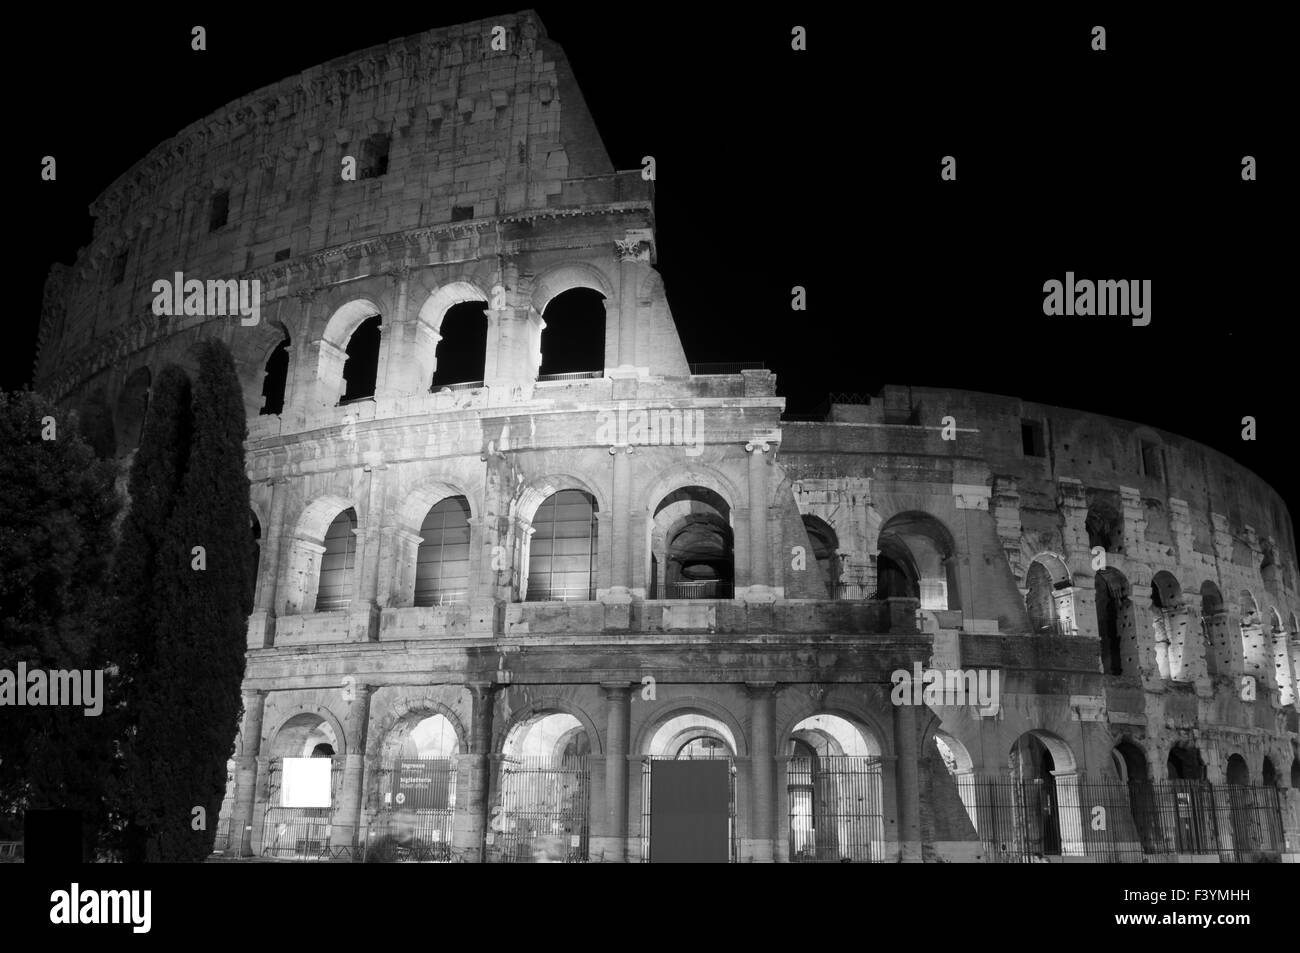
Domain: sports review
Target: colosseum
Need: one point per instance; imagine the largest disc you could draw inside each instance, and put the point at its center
(513, 609)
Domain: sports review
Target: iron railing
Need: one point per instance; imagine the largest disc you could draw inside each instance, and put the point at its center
(836, 809)
(541, 812)
(561, 593)
(441, 597)
(571, 376)
(297, 832)
(730, 367)
(1107, 820)
(703, 589)
(467, 385)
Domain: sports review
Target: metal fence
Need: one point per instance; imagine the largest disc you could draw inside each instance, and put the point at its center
(296, 832)
(702, 589)
(731, 367)
(571, 376)
(541, 811)
(415, 823)
(1107, 820)
(646, 772)
(836, 809)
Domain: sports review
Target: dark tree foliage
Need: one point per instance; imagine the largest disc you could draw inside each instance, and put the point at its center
(55, 542)
(189, 714)
(133, 623)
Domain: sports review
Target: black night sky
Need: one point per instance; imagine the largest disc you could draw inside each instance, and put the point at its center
(820, 169)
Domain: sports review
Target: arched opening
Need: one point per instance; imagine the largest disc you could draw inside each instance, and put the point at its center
(462, 345)
(834, 792)
(338, 563)
(1168, 624)
(1115, 623)
(573, 339)
(303, 779)
(275, 378)
(541, 811)
(825, 547)
(132, 408)
(1295, 772)
(1184, 764)
(562, 549)
(1105, 526)
(1130, 764)
(917, 560)
(688, 791)
(442, 561)
(1268, 773)
(692, 546)
(1049, 599)
(1214, 631)
(361, 368)
(1033, 772)
(417, 789)
(1236, 770)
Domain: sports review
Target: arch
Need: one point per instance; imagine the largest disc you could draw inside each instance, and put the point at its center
(956, 757)
(825, 550)
(460, 354)
(275, 376)
(1049, 596)
(1236, 771)
(338, 563)
(1044, 767)
(675, 732)
(1211, 599)
(1184, 764)
(131, 410)
(1268, 773)
(691, 474)
(346, 318)
(919, 561)
(541, 488)
(544, 732)
(443, 557)
(1248, 606)
(565, 276)
(1166, 593)
(423, 733)
(1105, 526)
(317, 515)
(428, 493)
(692, 546)
(298, 734)
(652, 737)
(1027, 751)
(573, 332)
(1130, 761)
(1115, 628)
(361, 363)
(831, 734)
(562, 549)
(446, 297)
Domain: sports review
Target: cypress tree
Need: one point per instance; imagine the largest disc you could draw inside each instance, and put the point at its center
(54, 545)
(133, 622)
(190, 715)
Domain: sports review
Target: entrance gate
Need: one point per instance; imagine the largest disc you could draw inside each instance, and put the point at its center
(836, 811)
(299, 833)
(419, 805)
(679, 784)
(541, 811)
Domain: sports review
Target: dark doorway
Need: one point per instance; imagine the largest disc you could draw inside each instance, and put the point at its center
(690, 811)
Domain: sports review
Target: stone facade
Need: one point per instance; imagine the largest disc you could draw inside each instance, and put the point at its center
(856, 547)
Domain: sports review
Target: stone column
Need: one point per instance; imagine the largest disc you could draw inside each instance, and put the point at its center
(760, 577)
(347, 819)
(620, 543)
(246, 773)
(393, 375)
(613, 845)
(629, 253)
(763, 830)
(909, 788)
(470, 820)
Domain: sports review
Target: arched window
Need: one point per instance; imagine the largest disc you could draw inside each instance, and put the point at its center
(338, 563)
(573, 340)
(462, 345)
(275, 379)
(916, 560)
(361, 369)
(562, 552)
(692, 546)
(1115, 623)
(1049, 600)
(442, 563)
(1105, 527)
(825, 546)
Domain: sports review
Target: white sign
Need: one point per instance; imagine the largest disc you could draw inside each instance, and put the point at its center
(305, 782)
